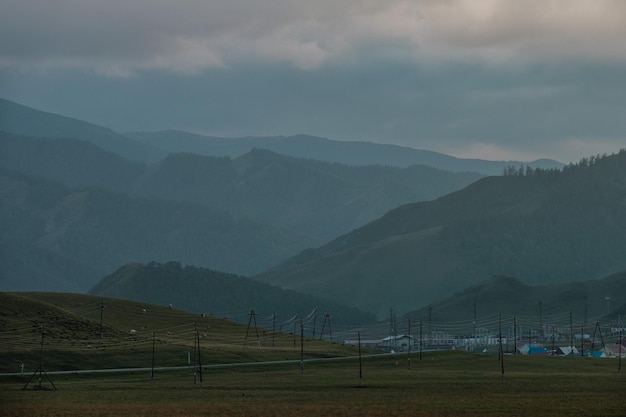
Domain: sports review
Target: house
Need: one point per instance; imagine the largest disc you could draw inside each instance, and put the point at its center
(368, 343)
(399, 343)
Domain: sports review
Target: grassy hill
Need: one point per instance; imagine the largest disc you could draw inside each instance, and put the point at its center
(75, 339)
(546, 227)
(217, 293)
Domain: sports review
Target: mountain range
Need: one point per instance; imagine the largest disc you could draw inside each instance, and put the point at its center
(78, 200)
(586, 300)
(312, 147)
(544, 227)
(217, 293)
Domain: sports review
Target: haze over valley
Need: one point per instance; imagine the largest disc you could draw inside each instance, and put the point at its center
(356, 224)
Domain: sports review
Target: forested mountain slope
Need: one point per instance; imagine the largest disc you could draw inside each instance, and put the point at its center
(542, 226)
(66, 239)
(511, 297)
(216, 293)
(311, 199)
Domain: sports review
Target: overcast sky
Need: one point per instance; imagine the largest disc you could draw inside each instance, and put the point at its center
(494, 79)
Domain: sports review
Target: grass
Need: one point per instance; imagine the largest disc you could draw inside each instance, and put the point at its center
(442, 384)
(450, 383)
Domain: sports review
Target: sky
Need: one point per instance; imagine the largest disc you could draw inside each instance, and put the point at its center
(491, 79)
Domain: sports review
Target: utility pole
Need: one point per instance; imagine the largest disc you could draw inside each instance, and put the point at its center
(152, 372)
(274, 330)
(421, 341)
(252, 315)
(541, 317)
(199, 355)
(330, 330)
(360, 362)
(501, 351)
(475, 324)
(619, 360)
(409, 351)
(40, 370)
(301, 346)
(571, 334)
(430, 320)
(582, 339)
(101, 311)
(515, 335)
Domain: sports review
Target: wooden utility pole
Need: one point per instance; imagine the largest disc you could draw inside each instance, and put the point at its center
(152, 372)
(252, 315)
(409, 351)
(501, 351)
(101, 311)
(274, 331)
(301, 346)
(360, 362)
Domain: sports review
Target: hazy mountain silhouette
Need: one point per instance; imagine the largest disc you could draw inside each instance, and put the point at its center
(306, 146)
(22, 120)
(313, 199)
(70, 238)
(511, 297)
(545, 227)
(216, 293)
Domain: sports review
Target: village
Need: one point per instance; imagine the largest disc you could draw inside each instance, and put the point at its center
(544, 341)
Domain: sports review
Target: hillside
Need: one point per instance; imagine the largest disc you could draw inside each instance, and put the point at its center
(94, 332)
(216, 293)
(73, 162)
(322, 149)
(511, 297)
(22, 120)
(313, 200)
(68, 239)
(316, 199)
(545, 227)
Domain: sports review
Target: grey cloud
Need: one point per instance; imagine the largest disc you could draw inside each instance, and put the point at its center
(495, 76)
(189, 36)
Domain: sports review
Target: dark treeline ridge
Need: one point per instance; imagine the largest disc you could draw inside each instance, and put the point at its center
(546, 228)
(217, 293)
(527, 170)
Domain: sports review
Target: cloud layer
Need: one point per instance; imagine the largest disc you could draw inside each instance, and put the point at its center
(120, 37)
(503, 79)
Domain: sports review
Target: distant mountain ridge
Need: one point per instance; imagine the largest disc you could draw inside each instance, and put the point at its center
(511, 297)
(314, 200)
(150, 147)
(23, 120)
(216, 293)
(546, 227)
(64, 239)
(307, 146)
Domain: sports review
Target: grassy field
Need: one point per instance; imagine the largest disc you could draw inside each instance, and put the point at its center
(450, 383)
(442, 384)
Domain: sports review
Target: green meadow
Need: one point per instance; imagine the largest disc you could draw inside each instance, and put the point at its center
(253, 372)
(441, 384)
